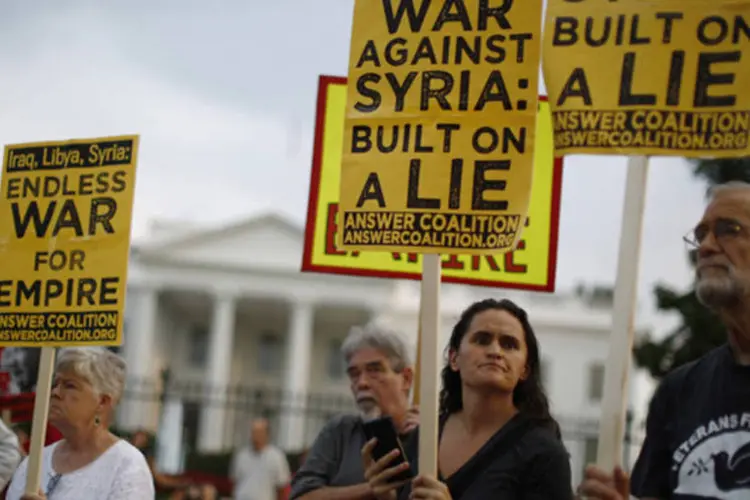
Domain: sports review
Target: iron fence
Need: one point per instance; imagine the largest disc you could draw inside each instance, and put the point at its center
(145, 401)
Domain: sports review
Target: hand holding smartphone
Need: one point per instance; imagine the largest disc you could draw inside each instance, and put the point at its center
(384, 431)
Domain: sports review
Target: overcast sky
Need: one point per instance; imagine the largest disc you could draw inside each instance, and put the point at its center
(223, 95)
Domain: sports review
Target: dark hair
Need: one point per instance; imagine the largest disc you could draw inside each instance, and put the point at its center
(528, 396)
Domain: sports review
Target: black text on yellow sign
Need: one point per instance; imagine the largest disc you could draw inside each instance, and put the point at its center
(440, 122)
(65, 216)
(654, 78)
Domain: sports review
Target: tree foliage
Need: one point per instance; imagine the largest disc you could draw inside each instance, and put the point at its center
(700, 330)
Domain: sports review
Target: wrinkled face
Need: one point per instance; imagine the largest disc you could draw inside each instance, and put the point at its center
(723, 257)
(74, 403)
(492, 353)
(377, 388)
(259, 434)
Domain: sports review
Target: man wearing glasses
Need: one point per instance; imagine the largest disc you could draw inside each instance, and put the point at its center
(380, 375)
(698, 427)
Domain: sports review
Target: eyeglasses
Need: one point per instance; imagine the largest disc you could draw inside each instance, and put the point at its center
(722, 230)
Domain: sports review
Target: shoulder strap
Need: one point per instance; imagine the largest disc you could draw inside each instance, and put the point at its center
(498, 445)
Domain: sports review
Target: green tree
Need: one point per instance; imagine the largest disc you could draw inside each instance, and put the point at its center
(699, 330)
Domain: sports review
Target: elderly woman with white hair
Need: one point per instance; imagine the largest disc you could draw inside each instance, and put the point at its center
(89, 463)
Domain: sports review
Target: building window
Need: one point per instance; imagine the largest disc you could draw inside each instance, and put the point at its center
(596, 382)
(198, 354)
(269, 354)
(336, 366)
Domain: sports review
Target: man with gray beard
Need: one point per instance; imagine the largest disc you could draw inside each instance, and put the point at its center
(380, 375)
(698, 427)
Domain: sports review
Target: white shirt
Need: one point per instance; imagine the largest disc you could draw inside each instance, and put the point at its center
(259, 475)
(120, 473)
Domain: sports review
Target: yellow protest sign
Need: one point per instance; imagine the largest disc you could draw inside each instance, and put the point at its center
(649, 78)
(439, 125)
(65, 215)
(531, 266)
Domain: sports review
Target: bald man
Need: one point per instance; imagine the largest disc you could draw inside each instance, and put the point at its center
(698, 427)
(260, 471)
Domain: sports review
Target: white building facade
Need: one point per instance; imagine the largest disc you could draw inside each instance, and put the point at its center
(226, 312)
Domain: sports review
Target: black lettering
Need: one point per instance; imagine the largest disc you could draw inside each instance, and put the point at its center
(32, 215)
(118, 181)
(627, 97)
(454, 192)
(741, 28)
(361, 142)
(395, 52)
(367, 92)
(499, 13)
(669, 18)
(705, 38)
(495, 47)
(592, 40)
(567, 26)
(521, 38)
(438, 94)
(635, 39)
(104, 218)
(494, 140)
(447, 129)
(676, 67)
(576, 86)
(108, 291)
(482, 184)
(382, 147)
(413, 200)
(5, 287)
(424, 51)
(400, 89)
(446, 16)
(372, 191)
(416, 19)
(369, 54)
(705, 79)
(494, 91)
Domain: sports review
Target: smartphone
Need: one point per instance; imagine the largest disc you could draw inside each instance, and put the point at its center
(384, 431)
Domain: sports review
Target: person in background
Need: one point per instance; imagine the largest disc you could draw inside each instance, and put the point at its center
(380, 377)
(89, 463)
(259, 471)
(698, 425)
(144, 442)
(10, 454)
(497, 439)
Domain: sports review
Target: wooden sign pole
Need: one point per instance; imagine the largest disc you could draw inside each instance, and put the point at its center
(39, 422)
(615, 398)
(429, 359)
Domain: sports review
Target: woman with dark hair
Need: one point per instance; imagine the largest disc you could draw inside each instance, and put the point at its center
(497, 438)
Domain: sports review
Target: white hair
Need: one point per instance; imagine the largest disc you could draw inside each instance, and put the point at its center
(388, 342)
(103, 369)
(728, 187)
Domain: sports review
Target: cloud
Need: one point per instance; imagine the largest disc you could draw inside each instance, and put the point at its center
(198, 159)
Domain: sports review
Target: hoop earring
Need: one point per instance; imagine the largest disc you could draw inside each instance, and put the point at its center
(97, 420)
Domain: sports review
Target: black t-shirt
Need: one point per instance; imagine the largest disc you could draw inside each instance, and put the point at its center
(698, 433)
(522, 461)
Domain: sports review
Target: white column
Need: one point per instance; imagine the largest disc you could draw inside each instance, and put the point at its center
(142, 310)
(213, 413)
(297, 376)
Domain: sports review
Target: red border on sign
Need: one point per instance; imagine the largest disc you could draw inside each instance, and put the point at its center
(312, 207)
